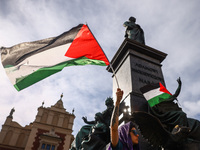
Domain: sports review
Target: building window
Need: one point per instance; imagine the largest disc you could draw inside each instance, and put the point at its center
(44, 117)
(53, 147)
(20, 140)
(46, 146)
(43, 146)
(8, 137)
(55, 120)
(49, 140)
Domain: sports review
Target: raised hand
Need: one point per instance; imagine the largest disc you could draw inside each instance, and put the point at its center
(85, 119)
(119, 95)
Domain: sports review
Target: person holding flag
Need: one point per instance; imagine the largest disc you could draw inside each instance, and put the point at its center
(126, 137)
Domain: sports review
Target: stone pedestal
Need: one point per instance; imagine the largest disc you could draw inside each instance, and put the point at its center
(136, 65)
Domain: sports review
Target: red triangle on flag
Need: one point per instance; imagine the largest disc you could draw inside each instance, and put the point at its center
(163, 89)
(86, 45)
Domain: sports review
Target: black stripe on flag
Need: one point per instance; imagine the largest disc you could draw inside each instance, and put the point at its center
(16, 54)
(149, 87)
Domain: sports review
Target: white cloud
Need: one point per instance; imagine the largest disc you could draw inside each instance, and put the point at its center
(169, 25)
(192, 107)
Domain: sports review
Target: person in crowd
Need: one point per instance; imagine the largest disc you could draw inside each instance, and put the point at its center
(126, 137)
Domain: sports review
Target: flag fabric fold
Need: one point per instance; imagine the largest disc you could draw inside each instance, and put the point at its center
(30, 62)
(155, 93)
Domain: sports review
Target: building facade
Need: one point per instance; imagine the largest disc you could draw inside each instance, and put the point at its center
(51, 130)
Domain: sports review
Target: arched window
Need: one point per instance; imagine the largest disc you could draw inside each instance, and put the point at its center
(49, 141)
(47, 146)
(65, 122)
(8, 137)
(55, 120)
(20, 140)
(44, 117)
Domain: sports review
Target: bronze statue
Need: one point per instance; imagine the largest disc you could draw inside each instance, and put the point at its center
(166, 125)
(166, 111)
(96, 133)
(134, 31)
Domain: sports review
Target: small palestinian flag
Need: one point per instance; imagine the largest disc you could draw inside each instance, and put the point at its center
(30, 62)
(155, 94)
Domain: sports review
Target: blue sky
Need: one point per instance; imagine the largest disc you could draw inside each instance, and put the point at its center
(171, 26)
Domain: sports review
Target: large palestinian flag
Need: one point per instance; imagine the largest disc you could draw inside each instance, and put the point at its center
(30, 62)
(155, 93)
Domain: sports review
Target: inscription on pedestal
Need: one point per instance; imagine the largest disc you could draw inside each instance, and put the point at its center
(144, 72)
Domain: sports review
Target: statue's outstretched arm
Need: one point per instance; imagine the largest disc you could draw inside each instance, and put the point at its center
(179, 87)
(127, 24)
(175, 95)
(88, 122)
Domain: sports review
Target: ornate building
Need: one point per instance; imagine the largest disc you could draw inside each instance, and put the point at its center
(51, 130)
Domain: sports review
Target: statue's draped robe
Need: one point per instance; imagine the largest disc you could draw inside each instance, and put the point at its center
(95, 140)
(134, 31)
(170, 115)
(83, 132)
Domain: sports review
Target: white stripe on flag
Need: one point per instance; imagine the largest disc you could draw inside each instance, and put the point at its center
(153, 93)
(48, 58)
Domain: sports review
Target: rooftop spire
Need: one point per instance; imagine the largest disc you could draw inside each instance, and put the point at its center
(61, 96)
(11, 112)
(59, 103)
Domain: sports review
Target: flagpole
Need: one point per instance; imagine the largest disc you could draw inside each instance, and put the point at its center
(114, 74)
(106, 57)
